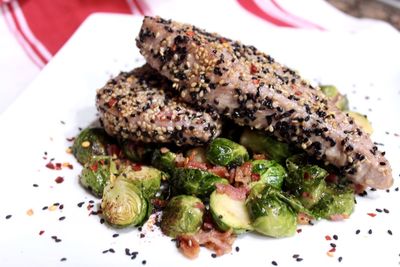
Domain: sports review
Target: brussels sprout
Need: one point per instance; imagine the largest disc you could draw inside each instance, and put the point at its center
(147, 179)
(269, 213)
(195, 182)
(137, 152)
(270, 171)
(333, 94)
(123, 204)
(97, 173)
(334, 202)
(182, 215)
(362, 121)
(305, 181)
(89, 143)
(229, 213)
(164, 161)
(225, 152)
(259, 142)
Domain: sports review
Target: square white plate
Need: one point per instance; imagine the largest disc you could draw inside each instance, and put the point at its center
(36, 127)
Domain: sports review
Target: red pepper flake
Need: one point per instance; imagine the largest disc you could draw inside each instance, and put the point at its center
(371, 214)
(41, 232)
(112, 102)
(94, 167)
(136, 167)
(327, 237)
(50, 165)
(59, 180)
(253, 69)
(58, 166)
(299, 231)
(255, 177)
(332, 250)
(190, 33)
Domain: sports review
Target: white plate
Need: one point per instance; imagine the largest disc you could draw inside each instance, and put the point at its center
(62, 99)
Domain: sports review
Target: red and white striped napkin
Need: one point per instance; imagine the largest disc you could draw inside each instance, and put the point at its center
(32, 31)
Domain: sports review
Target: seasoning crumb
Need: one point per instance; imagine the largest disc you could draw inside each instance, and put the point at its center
(274, 263)
(115, 235)
(29, 212)
(63, 259)
(8, 216)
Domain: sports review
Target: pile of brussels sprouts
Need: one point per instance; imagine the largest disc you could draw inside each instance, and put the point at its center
(132, 178)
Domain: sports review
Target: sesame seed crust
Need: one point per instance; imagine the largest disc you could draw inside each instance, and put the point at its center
(238, 81)
(139, 106)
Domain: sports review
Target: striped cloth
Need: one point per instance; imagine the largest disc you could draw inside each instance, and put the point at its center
(32, 31)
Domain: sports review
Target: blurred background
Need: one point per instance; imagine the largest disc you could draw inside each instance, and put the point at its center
(33, 31)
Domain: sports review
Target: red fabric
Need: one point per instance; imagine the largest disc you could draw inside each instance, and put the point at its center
(54, 21)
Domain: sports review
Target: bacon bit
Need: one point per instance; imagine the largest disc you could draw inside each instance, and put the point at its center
(219, 242)
(332, 250)
(197, 165)
(327, 237)
(255, 177)
(303, 218)
(358, 188)
(159, 203)
(29, 212)
(338, 217)
(70, 139)
(58, 166)
(259, 156)
(256, 81)
(253, 69)
(238, 193)
(190, 33)
(220, 171)
(113, 150)
(180, 160)
(41, 232)
(199, 206)
(299, 231)
(50, 165)
(94, 167)
(332, 178)
(112, 102)
(189, 246)
(59, 180)
(371, 214)
(136, 167)
(298, 93)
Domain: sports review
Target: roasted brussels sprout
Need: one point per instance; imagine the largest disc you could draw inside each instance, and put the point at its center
(335, 204)
(164, 160)
(229, 213)
(269, 213)
(333, 94)
(362, 121)
(305, 181)
(147, 179)
(225, 152)
(123, 204)
(259, 142)
(270, 171)
(182, 215)
(195, 182)
(89, 143)
(137, 152)
(97, 173)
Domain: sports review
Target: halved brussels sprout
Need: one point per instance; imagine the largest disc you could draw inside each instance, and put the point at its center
(259, 142)
(270, 171)
(270, 214)
(305, 181)
(89, 143)
(362, 121)
(97, 173)
(195, 182)
(123, 204)
(334, 203)
(147, 179)
(229, 213)
(164, 161)
(333, 94)
(137, 152)
(182, 215)
(225, 152)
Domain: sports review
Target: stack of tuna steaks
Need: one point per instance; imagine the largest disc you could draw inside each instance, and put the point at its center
(194, 79)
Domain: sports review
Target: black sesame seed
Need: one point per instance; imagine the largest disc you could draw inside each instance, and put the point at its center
(111, 250)
(61, 206)
(80, 204)
(102, 220)
(91, 201)
(335, 237)
(340, 259)
(105, 251)
(357, 232)
(237, 249)
(62, 218)
(378, 210)
(386, 210)
(295, 256)
(8, 216)
(370, 231)
(333, 245)
(390, 232)
(299, 259)
(35, 185)
(213, 255)
(115, 235)
(144, 262)
(274, 263)
(63, 259)
(396, 189)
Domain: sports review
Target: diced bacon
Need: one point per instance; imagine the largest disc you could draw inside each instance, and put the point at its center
(259, 156)
(338, 217)
(196, 165)
(189, 246)
(219, 171)
(238, 193)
